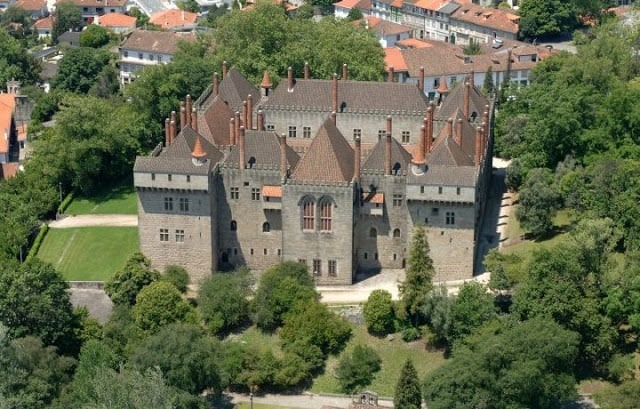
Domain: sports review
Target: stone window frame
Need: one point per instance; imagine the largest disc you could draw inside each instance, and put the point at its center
(306, 132)
(317, 267)
(325, 214)
(332, 268)
(179, 235)
(183, 204)
(397, 200)
(255, 194)
(266, 227)
(164, 234)
(450, 218)
(406, 136)
(396, 233)
(234, 192)
(168, 204)
(293, 130)
(308, 214)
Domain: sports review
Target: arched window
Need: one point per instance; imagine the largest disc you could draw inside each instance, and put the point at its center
(326, 209)
(308, 214)
(233, 226)
(396, 233)
(373, 232)
(266, 228)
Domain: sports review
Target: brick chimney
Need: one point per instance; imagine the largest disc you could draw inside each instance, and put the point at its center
(465, 101)
(260, 120)
(478, 156)
(421, 80)
(472, 78)
(242, 159)
(167, 133)
(335, 93)
(187, 107)
(391, 74)
(449, 128)
(345, 71)
(418, 157)
(290, 79)
(225, 69)
(458, 136)
(194, 119)
(283, 156)
(238, 124)
(250, 111)
(216, 84)
(245, 114)
(389, 124)
(266, 84)
(334, 118)
(232, 131)
(307, 71)
(387, 154)
(172, 126)
(183, 115)
(356, 160)
(430, 112)
(426, 143)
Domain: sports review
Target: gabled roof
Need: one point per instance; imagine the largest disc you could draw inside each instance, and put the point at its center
(328, 159)
(393, 58)
(496, 19)
(445, 175)
(455, 99)
(347, 4)
(44, 23)
(264, 148)
(31, 5)
(172, 18)
(185, 142)
(163, 42)
(375, 161)
(448, 153)
(7, 106)
(235, 88)
(353, 96)
(213, 124)
(116, 20)
(386, 27)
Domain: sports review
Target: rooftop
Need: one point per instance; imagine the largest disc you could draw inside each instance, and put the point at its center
(155, 41)
(173, 18)
(117, 20)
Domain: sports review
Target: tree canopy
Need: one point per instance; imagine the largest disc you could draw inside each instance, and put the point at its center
(419, 274)
(222, 301)
(15, 63)
(541, 18)
(159, 304)
(408, 394)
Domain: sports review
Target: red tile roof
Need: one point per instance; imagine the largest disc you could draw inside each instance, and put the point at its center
(496, 19)
(7, 106)
(271, 191)
(172, 18)
(347, 4)
(9, 170)
(412, 43)
(393, 58)
(31, 5)
(44, 23)
(117, 20)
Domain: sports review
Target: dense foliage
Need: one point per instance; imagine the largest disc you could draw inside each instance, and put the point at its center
(356, 370)
(124, 286)
(223, 303)
(419, 275)
(408, 394)
(379, 313)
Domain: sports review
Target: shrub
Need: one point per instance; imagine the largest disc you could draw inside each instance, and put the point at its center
(356, 370)
(38, 241)
(410, 334)
(177, 276)
(378, 313)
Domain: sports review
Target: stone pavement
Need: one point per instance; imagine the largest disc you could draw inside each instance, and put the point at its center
(86, 220)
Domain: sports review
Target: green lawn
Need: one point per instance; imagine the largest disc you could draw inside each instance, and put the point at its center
(118, 200)
(89, 253)
(393, 354)
(525, 248)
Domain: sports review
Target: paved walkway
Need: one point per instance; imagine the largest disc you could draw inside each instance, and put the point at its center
(87, 220)
(304, 401)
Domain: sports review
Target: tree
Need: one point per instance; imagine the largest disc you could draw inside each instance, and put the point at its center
(159, 304)
(178, 276)
(472, 308)
(94, 356)
(141, 18)
(538, 201)
(94, 36)
(357, 369)
(186, 357)
(488, 86)
(34, 302)
(124, 286)
(378, 313)
(437, 310)
(222, 301)
(624, 396)
(31, 375)
(281, 287)
(15, 63)
(189, 5)
(507, 365)
(408, 394)
(473, 48)
(354, 14)
(80, 68)
(419, 276)
(542, 18)
(67, 17)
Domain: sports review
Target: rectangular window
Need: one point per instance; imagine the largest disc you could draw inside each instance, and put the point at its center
(317, 267)
(302, 261)
(271, 127)
(457, 190)
(265, 252)
(188, 178)
(397, 200)
(235, 193)
(255, 193)
(292, 132)
(381, 133)
(439, 190)
(406, 136)
(164, 234)
(180, 236)
(184, 205)
(140, 56)
(421, 189)
(169, 178)
(251, 252)
(126, 54)
(153, 176)
(450, 218)
(306, 132)
(357, 133)
(333, 268)
(435, 211)
(150, 57)
(159, 58)
(168, 204)
(308, 215)
(279, 251)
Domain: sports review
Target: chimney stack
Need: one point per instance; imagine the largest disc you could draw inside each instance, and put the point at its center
(418, 157)
(430, 113)
(387, 154)
(449, 129)
(426, 143)
(465, 101)
(472, 78)
(232, 132)
(391, 74)
(172, 127)
(183, 115)
(245, 114)
(283, 156)
(307, 71)
(216, 84)
(478, 155)
(334, 118)
(260, 120)
(167, 133)
(345, 71)
(335, 92)
(356, 160)
(187, 108)
(421, 80)
(236, 132)
(290, 78)
(485, 121)
(389, 128)
(459, 131)
(225, 69)
(194, 119)
(250, 111)
(266, 84)
(242, 159)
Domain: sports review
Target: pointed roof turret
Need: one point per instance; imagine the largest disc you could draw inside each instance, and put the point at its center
(266, 80)
(198, 151)
(442, 87)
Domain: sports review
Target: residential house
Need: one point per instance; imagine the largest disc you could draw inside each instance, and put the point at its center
(5, 4)
(174, 20)
(483, 25)
(343, 7)
(44, 27)
(117, 23)
(15, 111)
(36, 8)
(90, 9)
(387, 32)
(147, 48)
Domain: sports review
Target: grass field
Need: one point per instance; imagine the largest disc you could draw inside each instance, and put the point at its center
(89, 253)
(118, 200)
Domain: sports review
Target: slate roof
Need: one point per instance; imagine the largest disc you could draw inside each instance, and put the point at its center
(354, 96)
(328, 159)
(234, 89)
(213, 124)
(375, 160)
(448, 153)
(163, 42)
(455, 99)
(264, 146)
(445, 175)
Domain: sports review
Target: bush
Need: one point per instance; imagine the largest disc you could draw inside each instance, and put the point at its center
(177, 276)
(378, 313)
(65, 203)
(222, 301)
(38, 241)
(410, 334)
(356, 370)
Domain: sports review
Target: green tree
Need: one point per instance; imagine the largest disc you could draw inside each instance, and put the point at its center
(538, 202)
(15, 63)
(488, 86)
(624, 396)
(80, 68)
(141, 18)
(178, 276)
(511, 365)
(437, 310)
(67, 17)
(354, 14)
(94, 36)
(419, 274)
(94, 356)
(472, 308)
(124, 286)
(379, 313)
(357, 369)
(473, 48)
(34, 301)
(541, 18)
(222, 301)
(408, 394)
(281, 287)
(186, 357)
(159, 304)
(305, 12)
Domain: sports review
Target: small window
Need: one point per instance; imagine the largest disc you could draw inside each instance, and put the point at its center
(302, 261)
(169, 178)
(168, 204)
(458, 191)
(180, 236)
(125, 54)
(421, 189)
(235, 251)
(439, 190)
(450, 218)
(265, 252)
(164, 234)
(266, 228)
(317, 267)
(373, 232)
(406, 136)
(365, 255)
(292, 131)
(357, 133)
(279, 251)
(375, 256)
(271, 127)
(251, 252)
(140, 56)
(153, 176)
(255, 193)
(184, 205)
(233, 226)
(333, 268)
(395, 256)
(159, 57)
(235, 193)
(396, 233)
(188, 178)
(151, 57)
(397, 200)
(381, 133)
(435, 211)
(306, 132)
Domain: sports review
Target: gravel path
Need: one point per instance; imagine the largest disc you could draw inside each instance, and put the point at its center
(86, 220)
(304, 401)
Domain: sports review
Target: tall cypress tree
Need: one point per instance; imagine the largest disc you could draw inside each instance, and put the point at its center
(408, 394)
(420, 272)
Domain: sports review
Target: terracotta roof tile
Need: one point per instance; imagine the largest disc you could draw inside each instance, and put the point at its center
(393, 58)
(198, 151)
(155, 41)
(117, 20)
(7, 106)
(173, 18)
(412, 43)
(266, 80)
(184, 145)
(31, 5)
(372, 197)
(96, 3)
(496, 19)
(264, 147)
(271, 191)
(347, 4)
(328, 159)
(386, 27)
(9, 170)
(44, 23)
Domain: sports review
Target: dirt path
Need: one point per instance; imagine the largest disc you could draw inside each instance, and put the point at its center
(87, 220)
(304, 401)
